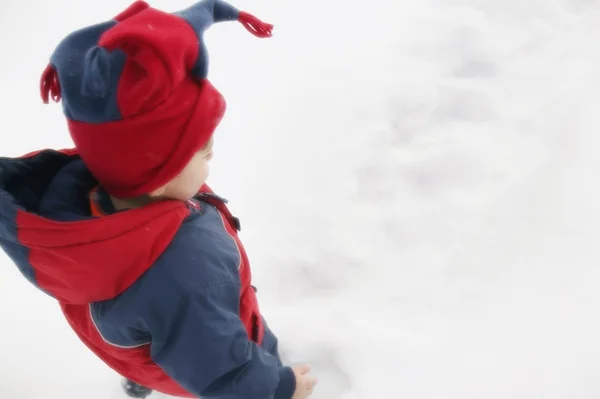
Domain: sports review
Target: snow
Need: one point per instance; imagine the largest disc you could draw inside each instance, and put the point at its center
(416, 181)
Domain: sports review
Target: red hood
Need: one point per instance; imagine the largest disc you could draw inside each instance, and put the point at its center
(46, 230)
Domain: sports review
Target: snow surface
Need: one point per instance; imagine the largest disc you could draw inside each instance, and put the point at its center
(417, 184)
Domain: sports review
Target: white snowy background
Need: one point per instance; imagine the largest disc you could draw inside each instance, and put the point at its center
(417, 182)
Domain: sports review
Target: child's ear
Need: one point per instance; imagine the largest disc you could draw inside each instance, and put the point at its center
(158, 192)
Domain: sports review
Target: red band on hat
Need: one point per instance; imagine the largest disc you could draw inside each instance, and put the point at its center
(140, 154)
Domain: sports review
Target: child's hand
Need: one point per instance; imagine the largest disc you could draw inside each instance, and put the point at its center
(304, 383)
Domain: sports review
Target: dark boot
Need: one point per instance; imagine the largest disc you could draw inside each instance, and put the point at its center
(135, 390)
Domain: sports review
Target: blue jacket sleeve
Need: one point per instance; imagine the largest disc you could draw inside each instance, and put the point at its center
(202, 344)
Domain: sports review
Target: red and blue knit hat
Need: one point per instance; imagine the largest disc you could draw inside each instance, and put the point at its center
(135, 93)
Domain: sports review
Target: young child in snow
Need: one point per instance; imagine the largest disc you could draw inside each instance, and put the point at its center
(143, 258)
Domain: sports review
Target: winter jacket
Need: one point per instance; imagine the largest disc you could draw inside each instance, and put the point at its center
(162, 294)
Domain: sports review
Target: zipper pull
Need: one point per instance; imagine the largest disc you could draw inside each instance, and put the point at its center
(212, 195)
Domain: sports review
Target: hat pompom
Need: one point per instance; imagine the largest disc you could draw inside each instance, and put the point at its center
(96, 72)
(49, 85)
(255, 26)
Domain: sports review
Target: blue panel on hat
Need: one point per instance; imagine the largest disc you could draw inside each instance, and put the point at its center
(68, 60)
(201, 16)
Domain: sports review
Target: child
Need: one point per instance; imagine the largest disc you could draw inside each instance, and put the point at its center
(143, 258)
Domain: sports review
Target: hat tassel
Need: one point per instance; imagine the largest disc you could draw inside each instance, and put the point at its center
(49, 85)
(255, 26)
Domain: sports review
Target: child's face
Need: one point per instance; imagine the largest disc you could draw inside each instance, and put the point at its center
(185, 185)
